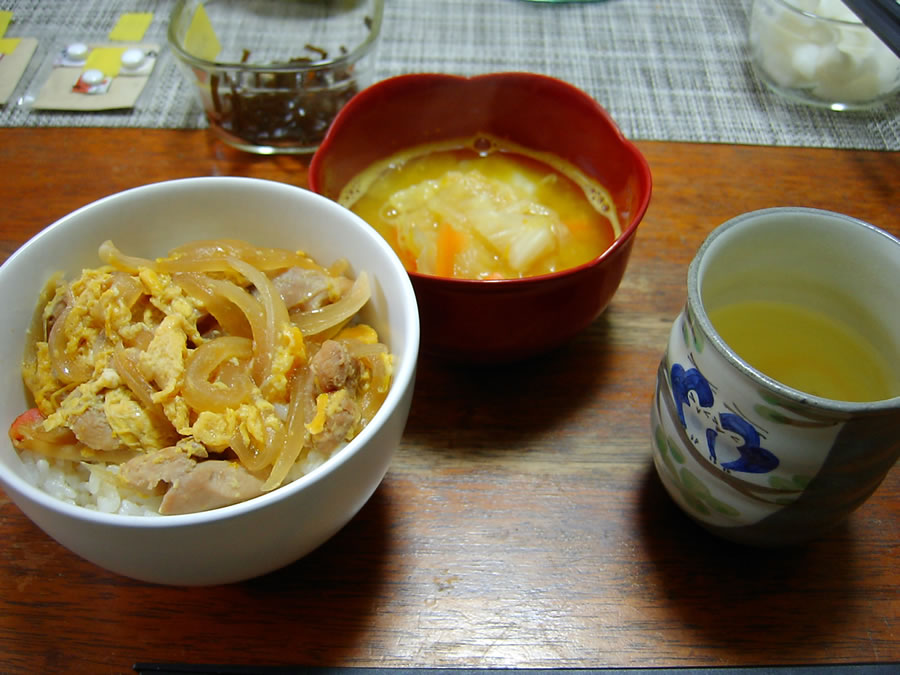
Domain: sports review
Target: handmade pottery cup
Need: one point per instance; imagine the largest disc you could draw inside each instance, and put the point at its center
(750, 458)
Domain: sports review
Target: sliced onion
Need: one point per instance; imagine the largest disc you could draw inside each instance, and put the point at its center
(202, 394)
(68, 368)
(253, 311)
(126, 263)
(231, 319)
(379, 385)
(124, 290)
(143, 391)
(319, 320)
(363, 350)
(249, 456)
(293, 439)
(212, 256)
(275, 314)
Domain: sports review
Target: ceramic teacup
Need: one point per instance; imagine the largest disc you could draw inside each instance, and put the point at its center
(754, 456)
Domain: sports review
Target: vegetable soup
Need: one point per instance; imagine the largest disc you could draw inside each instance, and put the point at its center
(482, 208)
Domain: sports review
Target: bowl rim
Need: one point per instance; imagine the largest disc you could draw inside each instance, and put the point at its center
(789, 7)
(344, 59)
(404, 81)
(402, 380)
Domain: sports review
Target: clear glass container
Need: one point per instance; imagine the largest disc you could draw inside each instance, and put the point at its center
(819, 53)
(272, 74)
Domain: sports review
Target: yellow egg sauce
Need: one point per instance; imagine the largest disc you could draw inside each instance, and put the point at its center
(481, 208)
(807, 350)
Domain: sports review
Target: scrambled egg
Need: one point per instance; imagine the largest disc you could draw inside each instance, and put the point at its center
(289, 351)
(105, 310)
(130, 423)
(163, 360)
(326, 406)
(255, 421)
(83, 397)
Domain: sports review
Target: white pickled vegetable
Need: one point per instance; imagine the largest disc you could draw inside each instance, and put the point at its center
(834, 61)
(499, 218)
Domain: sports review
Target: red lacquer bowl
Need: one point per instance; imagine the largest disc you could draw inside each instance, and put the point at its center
(496, 320)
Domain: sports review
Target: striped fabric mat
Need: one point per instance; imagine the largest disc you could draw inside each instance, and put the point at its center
(671, 71)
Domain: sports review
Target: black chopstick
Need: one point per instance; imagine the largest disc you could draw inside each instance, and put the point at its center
(210, 669)
(882, 17)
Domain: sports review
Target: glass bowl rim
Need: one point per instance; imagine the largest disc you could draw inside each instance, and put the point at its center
(793, 9)
(348, 58)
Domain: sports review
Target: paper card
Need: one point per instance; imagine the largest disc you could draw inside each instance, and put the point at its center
(108, 60)
(5, 17)
(131, 27)
(8, 45)
(63, 89)
(13, 64)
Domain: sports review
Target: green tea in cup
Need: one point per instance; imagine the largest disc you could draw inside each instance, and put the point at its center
(806, 349)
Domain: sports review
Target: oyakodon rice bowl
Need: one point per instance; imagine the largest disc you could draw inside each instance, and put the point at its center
(209, 376)
(320, 494)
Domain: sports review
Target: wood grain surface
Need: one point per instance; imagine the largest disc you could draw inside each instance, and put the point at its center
(521, 523)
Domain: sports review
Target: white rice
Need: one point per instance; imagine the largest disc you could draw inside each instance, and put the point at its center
(307, 463)
(97, 486)
(93, 486)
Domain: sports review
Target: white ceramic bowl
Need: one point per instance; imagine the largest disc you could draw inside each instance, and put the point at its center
(263, 534)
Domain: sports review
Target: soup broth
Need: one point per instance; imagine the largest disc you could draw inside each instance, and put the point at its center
(807, 350)
(482, 209)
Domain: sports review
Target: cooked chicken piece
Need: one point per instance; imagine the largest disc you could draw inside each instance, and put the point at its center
(342, 417)
(92, 428)
(147, 471)
(189, 485)
(334, 367)
(308, 289)
(209, 485)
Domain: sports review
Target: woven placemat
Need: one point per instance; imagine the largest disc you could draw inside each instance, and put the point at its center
(671, 71)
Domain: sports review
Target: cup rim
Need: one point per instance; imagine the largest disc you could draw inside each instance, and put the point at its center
(696, 306)
(349, 57)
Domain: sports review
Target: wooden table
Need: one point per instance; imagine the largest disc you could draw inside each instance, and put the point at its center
(521, 523)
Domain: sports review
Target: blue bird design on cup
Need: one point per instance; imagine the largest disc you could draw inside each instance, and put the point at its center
(692, 390)
(686, 381)
(752, 458)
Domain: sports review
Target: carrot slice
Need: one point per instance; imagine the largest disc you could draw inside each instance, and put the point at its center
(23, 424)
(579, 226)
(450, 242)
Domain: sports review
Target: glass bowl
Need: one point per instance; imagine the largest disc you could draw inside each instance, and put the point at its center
(271, 75)
(819, 53)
